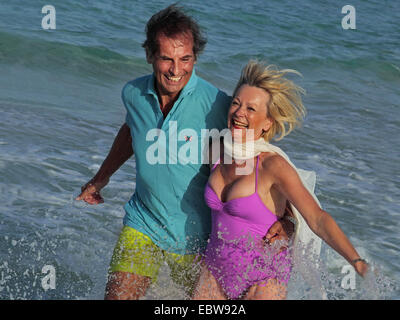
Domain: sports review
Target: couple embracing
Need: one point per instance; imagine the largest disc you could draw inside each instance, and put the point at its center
(223, 228)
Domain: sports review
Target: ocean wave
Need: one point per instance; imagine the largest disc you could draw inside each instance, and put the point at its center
(97, 61)
(386, 69)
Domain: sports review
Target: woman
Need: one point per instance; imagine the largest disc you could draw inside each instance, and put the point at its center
(237, 263)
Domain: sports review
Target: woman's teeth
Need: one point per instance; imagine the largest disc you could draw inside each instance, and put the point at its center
(239, 124)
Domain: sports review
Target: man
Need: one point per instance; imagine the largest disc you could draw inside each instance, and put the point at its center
(166, 218)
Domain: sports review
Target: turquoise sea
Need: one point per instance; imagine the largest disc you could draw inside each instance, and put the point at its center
(60, 109)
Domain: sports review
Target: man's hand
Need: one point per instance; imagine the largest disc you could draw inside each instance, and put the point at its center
(90, 192)
(280, 230)
(121, 150)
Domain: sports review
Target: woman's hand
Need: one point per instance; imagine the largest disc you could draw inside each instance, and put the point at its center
(361, 267)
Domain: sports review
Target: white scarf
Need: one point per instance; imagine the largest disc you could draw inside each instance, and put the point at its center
(251, 149)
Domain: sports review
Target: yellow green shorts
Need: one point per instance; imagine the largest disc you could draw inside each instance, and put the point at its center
(136, 253)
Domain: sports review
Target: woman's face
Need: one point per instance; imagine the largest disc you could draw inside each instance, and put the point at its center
(247, 116)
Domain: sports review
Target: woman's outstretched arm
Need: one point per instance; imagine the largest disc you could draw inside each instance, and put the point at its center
(320, 222)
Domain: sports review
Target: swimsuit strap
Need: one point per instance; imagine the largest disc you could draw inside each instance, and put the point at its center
(216, 164)
(258, 157)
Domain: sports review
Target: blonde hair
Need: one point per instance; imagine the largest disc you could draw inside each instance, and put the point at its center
(285, 107)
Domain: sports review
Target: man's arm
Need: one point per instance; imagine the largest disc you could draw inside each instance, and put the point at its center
(120, 151)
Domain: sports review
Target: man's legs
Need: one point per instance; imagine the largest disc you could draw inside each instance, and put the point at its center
(185, 270)
(134, 265)
(126, 286)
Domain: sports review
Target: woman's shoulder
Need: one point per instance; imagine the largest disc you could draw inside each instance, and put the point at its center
(271, 161)
(270, 158)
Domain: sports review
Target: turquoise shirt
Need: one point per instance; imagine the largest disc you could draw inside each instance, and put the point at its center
(168, 203)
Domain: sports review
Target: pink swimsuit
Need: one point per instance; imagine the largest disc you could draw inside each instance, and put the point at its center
(236, 254)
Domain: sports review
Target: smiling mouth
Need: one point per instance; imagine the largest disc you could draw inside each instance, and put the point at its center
(173, 79)
(239, 125)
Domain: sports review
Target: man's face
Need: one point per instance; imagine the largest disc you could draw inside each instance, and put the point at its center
(173, 63)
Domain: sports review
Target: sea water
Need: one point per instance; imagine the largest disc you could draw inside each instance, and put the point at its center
(60, 110)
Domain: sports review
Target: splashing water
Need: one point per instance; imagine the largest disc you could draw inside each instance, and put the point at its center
(21, 276)
(331, 277)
